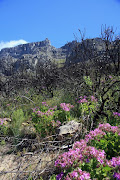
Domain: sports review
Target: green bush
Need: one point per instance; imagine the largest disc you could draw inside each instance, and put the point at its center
(43, 120)
(4, 130)
(17, 120)
(110, 143)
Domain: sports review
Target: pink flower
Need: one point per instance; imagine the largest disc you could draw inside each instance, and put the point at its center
(44, 103)
(84, 100)
(116, 113)
(80, 97)
(59, 176)
(115, 161)
(78, 174)
(110, 77)
(66, 107)
(1, 121)
(74, 174)
(34, 109)
(93, 99)
(117, 175)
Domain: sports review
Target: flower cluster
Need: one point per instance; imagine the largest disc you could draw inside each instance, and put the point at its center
(110, 77)
(55, 107)
(59, 176)
(117, 176)
(49, 112)
(83, 153)
(78, 175)
(114, 162)
(55, 124)
(107, 127)
(1, 121)
(100, 131)
(78, 155)
(82, 100)
(93, 134)
(93, 99)
(44, 103)
(116, 113)
(66, 107)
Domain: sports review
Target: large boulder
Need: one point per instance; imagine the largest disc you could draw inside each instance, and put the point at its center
(69, 128)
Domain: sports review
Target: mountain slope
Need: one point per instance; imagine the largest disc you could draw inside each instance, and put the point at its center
(31, 54)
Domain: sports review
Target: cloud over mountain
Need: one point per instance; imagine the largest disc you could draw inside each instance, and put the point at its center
(11, 43)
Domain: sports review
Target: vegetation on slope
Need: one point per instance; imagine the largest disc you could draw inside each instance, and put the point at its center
(87, 91)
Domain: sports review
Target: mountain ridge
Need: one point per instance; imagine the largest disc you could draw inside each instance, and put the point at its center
(30, 55)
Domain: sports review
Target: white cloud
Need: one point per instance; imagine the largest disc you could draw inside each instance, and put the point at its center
(11, 43)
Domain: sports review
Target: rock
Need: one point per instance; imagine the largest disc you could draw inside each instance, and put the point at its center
(28, 130)
(69, 128)
(7, 119)
(30, 55)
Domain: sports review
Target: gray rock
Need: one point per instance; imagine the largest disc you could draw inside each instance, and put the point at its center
(69, 128)
(30, 55)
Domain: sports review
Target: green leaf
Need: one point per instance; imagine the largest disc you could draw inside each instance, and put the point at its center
(107, 168)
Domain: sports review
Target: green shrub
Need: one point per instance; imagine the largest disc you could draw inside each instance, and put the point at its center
(110, 143)
(17, 120)
(43, 121)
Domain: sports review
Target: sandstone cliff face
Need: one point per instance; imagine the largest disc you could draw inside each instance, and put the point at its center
(30, 55)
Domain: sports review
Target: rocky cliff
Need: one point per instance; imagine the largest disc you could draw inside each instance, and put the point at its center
(31, 54)
(28, 56)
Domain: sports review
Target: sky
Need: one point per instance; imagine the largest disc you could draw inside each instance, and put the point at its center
(25, 21)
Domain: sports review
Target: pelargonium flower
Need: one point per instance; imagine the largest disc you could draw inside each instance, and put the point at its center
(1, 121)
(77, 155)
(34, 109)
(116, 114)
(81, 152)
(66, 107)
(59, 176)
(58, 123)
(93, 99)
(80, 144)
(78, 174)
(93, 134)
(44, 103)
(110, 77)
(55, 124)
(80, 97)
(84, 100)
(107, 127)
(117, 175)
(114, 162)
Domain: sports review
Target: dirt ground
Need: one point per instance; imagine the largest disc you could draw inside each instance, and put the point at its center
(14, 166)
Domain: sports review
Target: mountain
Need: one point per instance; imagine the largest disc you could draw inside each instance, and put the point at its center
(85, 50)
(28, 56)
(31, 54)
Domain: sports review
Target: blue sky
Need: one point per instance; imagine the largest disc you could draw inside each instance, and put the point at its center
(58, 20)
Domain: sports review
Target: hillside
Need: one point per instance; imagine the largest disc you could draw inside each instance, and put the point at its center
(28, 56)
(31, 54)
